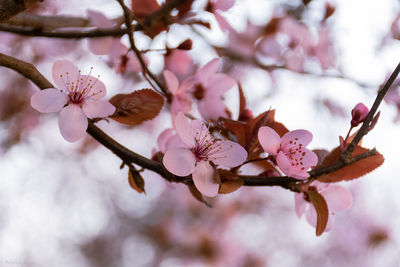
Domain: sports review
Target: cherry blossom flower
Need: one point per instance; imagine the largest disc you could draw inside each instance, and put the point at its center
(78, 98)
(181, 100)
(209, 88)
(292, 156)
(337, 198)
(201, 149)
(358, 114)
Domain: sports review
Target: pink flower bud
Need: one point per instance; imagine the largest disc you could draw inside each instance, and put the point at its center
(359, 113)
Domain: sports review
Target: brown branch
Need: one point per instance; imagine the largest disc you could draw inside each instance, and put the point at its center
(48, 22)
(73, 34)
(31, 73)
(10, 8)
(146, 71)
(366, 125)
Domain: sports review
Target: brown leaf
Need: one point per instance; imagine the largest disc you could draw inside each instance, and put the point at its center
(136, 181)
(238, 128)
(321, 207)
(230, 186)
(137, 107)
(242, 101)
(143, 8)
(354, 170)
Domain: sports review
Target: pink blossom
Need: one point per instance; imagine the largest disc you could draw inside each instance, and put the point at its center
(81, 94)
(201, 148)
(358, 114)
(337, 198)
(181, 100)
(292, 156)
(209, 88)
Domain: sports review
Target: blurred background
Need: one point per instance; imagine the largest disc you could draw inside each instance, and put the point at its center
(69, 204)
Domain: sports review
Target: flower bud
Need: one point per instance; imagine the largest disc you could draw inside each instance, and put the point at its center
(359, 113)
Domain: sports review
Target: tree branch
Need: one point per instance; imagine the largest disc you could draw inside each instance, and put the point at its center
(37, 32)
(30, 72)
(365, 126)
(48, 22)
(10, 8)
(146, 71)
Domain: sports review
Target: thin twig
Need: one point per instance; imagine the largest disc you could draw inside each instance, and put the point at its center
(146, 71)
(365, 126)
(30, 72)
(68, 34)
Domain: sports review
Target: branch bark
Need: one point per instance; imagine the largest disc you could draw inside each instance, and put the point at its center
(30, 72)
(10, 8)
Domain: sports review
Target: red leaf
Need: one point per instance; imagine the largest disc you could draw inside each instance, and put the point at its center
(321, 207)
(137, 107)
(242, 101)
(136, 181)
(230, 182)
(143, 8)
(238, 128)
(354, 170)
(230, 186)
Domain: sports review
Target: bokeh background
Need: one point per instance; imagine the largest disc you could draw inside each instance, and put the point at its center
(66, 204)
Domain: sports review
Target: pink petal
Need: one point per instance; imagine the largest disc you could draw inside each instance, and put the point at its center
(300, 163)
(99, 19)
(269, 140)
(203, 178)
(228, 154)
(72, 123)
(174, 142)
(224, 5)
(212, 108)
(49, 100)
(101, 46)
(64, 72)
(179, 161)
(337, 197)
(310, 159)
(98, 108)
(178, 61)
(284, 163)
(219, 83)
(168, 139)
(171, 80)
(117, 49)
(303, 137)
(311, 215)
(181, 103)
(300, 204)
(205, 73)
(184, 130)
(96, 88)
(134, 63)
(222, 22)
(163, 138)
